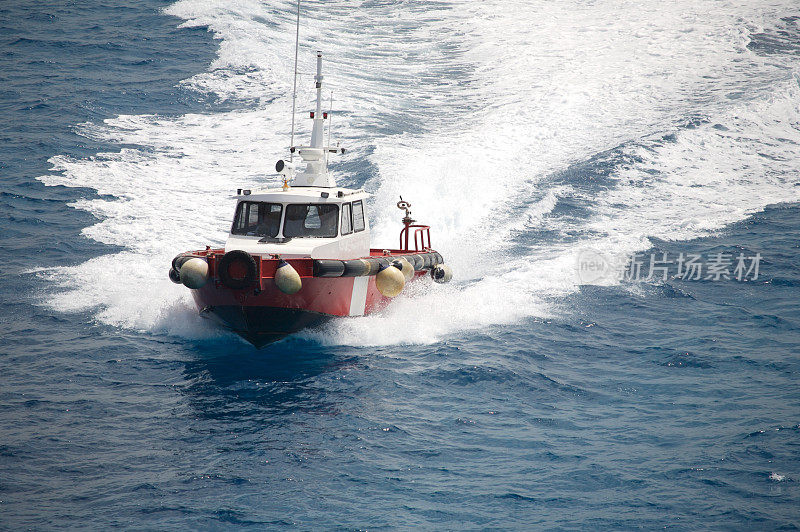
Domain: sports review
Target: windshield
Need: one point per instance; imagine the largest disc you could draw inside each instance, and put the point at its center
(311, 220)
(255, 218)
(358, 216)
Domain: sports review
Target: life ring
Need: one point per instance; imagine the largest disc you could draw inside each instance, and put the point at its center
(237, 269)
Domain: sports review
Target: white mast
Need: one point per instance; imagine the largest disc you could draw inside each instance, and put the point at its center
(315, 155)
(319, 118)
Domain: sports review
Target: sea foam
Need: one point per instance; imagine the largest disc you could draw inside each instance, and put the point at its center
(467, 110)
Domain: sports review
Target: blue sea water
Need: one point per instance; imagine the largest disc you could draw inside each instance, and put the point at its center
(516, 398)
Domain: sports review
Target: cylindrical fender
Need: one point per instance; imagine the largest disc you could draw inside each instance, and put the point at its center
(371, 265)
(328, 268)
(356, 268)
(237, 270)
(415, 261)
(374, 266)
(178, 261)
(382, 261)
(174, 276)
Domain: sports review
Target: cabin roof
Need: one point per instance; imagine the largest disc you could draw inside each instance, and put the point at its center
(303, 195)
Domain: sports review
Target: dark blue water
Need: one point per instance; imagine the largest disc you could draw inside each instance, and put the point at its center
(633, 406)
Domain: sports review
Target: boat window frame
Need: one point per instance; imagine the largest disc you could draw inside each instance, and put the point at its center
(335, 226)
(250, 203)
(349, 219)
(353, 216)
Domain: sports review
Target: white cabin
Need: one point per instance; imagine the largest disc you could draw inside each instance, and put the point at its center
(316, 222)
(309, 216)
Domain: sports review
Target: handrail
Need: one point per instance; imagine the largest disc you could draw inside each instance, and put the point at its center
(421, 234)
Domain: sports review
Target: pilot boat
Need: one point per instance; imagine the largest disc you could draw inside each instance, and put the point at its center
(299, 254)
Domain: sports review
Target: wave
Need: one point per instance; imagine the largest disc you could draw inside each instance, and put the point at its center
(468, 109)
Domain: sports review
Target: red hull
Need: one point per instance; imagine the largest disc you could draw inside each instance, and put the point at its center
(263, 314)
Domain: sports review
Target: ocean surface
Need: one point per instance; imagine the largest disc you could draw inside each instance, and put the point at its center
(528, 393)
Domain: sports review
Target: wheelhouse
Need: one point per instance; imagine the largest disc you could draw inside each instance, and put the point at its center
(301, 222)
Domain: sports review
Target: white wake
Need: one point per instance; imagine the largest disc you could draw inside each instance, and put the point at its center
(466, 109)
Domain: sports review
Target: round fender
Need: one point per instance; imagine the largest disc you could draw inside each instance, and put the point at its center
(328, 268)
(194, 273)
(237, 270)
(174, 276)
(405, 267)
(390, 281)
(355, 268)
(442, 273)
(287, 279)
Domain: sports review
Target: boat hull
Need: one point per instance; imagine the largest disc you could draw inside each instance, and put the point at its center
(262, 313)
(264, 325)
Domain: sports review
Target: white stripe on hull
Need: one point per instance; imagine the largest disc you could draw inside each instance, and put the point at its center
(358, 301)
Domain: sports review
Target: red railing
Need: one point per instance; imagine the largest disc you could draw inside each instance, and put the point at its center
(422, 237)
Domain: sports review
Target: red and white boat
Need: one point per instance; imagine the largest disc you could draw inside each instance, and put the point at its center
(299, 255)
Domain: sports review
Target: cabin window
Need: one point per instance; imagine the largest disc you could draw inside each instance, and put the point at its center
(358, 216)
(347, 222)
(316, 220)
(256, 218)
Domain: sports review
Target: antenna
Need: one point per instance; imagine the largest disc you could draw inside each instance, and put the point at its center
(294, 88)
(330, 123)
